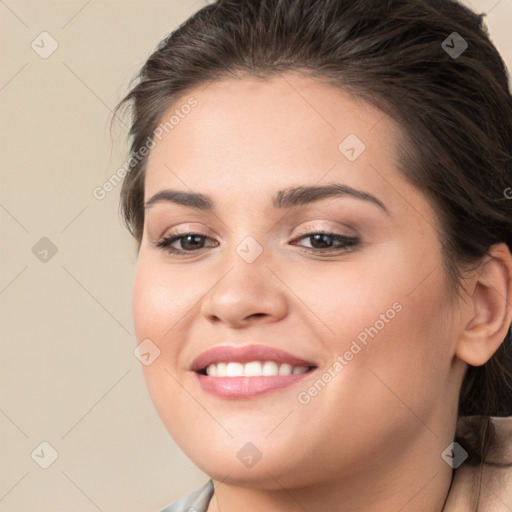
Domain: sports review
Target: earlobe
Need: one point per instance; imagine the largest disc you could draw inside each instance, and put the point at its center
(489, 311)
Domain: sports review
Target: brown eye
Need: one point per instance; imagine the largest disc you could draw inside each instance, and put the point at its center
(328, 242)
(189, 242)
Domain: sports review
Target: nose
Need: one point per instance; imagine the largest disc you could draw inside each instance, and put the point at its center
(245, 293)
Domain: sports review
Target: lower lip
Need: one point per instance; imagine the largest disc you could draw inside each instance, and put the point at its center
(239, 388)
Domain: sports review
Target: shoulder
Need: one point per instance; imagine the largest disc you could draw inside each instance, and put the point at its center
(196, 500)
(489, 486)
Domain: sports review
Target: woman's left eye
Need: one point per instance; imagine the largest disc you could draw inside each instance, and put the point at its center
(344, 242)
(195, 242)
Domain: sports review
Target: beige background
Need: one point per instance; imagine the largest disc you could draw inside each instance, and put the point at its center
(68, 375)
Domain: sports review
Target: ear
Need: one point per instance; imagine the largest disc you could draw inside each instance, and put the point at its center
(488, 315)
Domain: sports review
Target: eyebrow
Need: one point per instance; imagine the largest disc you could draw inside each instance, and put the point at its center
(287, 198)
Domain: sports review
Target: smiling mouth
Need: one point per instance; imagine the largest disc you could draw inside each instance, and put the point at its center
(244, 381)
(243, 372)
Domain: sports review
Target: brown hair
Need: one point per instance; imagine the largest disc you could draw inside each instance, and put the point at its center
(455, 112)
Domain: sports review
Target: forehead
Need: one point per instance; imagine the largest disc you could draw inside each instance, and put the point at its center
(251, 135)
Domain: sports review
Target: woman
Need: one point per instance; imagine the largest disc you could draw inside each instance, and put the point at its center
(323, 287)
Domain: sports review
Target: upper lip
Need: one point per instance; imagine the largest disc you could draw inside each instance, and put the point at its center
(245, 354)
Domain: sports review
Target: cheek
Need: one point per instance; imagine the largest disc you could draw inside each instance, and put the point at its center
(364, 298)
(396, 352)
(159, 312)
(389, 318)
(160, 301)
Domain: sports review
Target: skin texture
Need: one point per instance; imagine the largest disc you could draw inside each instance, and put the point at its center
(371, 439)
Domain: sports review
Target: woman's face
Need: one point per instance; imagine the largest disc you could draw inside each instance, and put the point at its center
(372, 315)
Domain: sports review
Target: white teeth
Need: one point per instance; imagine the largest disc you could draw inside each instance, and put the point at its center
(270, 369)
(253, 369)
(285, 369)
(234, 370)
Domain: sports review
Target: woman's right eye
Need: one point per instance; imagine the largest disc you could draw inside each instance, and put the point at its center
(190, 239)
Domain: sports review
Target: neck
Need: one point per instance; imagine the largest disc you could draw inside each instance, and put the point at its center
(411, 482)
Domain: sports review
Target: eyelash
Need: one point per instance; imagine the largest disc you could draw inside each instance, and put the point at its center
(347, 242)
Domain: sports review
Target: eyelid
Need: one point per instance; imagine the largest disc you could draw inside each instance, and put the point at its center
(187, 229)
(308, 229)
